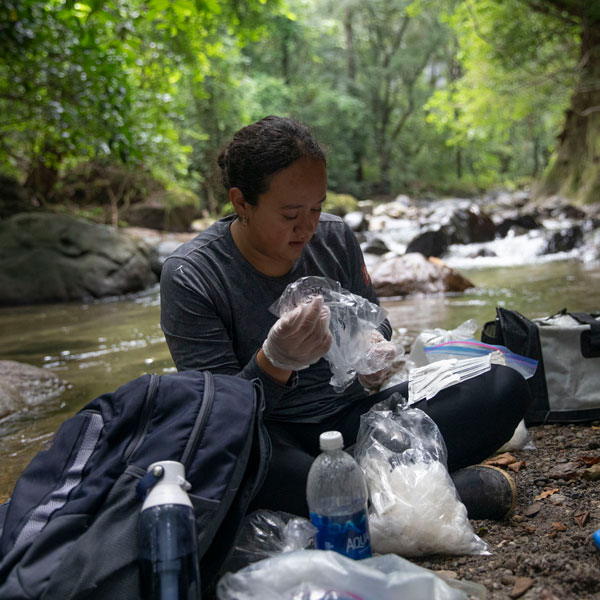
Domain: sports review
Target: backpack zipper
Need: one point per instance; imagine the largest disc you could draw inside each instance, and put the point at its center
(200, 422)
(145, 417)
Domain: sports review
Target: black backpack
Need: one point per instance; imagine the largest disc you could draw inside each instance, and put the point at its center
(69, 530)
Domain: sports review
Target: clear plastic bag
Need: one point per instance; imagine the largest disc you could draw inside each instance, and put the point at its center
(327, 575)
(265, 533)
(415, 509)
(433, 345)
(430, 337)
(472, 348)
(353, 321)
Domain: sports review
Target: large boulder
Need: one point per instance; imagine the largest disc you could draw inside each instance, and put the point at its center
(414, 274)
(54, 258)
(24, 386)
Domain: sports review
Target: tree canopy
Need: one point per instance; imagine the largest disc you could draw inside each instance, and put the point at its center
(412, 96)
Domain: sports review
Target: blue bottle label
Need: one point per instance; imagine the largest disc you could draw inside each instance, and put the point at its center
(346, 534)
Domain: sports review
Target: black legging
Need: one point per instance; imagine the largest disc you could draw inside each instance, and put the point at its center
(475, 417)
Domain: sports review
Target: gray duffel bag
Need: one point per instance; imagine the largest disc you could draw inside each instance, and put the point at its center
(566, 384)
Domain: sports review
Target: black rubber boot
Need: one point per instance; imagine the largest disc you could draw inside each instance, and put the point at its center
(487, 492)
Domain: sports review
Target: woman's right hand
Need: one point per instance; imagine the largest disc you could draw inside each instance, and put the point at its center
(299, 337)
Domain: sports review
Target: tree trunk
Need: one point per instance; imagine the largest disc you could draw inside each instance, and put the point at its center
(351, 71)
(575, 170)
(42, 178)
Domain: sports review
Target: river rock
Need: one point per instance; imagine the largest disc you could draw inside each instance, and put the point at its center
(376, 246)
(433, 242)
(468, 226)
(564, 240)
(48, 257)
(414, 274)
(155, 213)
(518, 222)
(24, 386)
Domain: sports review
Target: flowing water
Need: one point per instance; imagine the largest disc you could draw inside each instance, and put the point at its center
(97, 347)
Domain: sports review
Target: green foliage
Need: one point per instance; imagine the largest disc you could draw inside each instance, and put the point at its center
(415, 96)
(505, 110)
(106, 77)
(177, 195)
(340, 204)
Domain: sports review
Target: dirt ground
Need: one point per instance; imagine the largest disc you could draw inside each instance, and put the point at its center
(545, 549)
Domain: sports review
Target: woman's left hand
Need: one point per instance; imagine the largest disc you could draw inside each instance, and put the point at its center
(381, 352)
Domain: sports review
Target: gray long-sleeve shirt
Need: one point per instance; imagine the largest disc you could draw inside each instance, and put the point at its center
(215, 312)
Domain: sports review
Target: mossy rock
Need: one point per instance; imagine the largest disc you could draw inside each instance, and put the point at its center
(340, 204)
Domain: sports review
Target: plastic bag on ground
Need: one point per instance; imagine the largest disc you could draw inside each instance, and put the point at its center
(415, 509)
(265, 533)
(352, 323)
(327, 575)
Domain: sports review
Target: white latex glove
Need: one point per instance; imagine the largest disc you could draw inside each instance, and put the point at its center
(300, 337)
(380, 352)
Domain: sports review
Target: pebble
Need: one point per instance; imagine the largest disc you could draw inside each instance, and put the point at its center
(557, 499)
(507, 579)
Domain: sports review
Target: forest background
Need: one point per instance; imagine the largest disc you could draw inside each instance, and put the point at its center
(424, 97)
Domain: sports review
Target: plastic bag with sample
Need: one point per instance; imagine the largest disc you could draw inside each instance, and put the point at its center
(415, 509)
(357, 346)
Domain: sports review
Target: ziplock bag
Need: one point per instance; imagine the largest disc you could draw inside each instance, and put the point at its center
(353, 321)
(327, 575)
(265, 533)
(415, 509)
(472, 348)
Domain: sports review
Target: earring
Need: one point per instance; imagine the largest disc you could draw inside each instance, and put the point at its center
(243, 220)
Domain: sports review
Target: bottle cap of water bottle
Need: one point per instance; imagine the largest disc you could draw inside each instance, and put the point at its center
(331, 440)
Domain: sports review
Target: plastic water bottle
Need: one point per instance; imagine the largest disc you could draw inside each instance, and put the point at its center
(168, 546)
(337, 498)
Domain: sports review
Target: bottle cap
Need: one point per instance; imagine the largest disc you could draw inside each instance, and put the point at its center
(171, 488)
(331, 440)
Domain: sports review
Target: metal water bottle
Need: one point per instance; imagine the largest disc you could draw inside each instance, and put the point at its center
(168, 553)
(337, 498)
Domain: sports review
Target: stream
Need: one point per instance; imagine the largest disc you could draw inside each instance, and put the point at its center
(97, 347)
